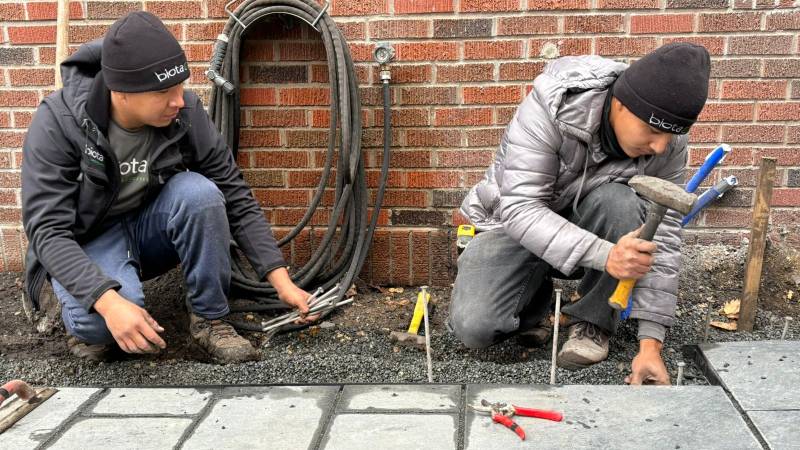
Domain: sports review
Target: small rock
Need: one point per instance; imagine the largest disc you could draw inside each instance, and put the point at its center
(327, 325)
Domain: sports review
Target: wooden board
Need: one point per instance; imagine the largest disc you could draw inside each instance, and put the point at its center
(18, 409)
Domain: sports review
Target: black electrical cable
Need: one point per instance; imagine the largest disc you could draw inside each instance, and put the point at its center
(340, 256)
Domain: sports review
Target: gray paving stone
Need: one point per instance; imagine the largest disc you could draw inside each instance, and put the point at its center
(760, 375)
(267, 417)
(39, 424)
(613, 417)
(400, 397)
(141, 433)
(133, 402)
(779, 428)
(392, 432)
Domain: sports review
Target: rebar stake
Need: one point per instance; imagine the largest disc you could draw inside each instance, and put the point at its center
(708, 322)
(786, 321)
(555, 337)
(679, 381)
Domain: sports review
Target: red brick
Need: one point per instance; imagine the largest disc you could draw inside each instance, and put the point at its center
(259, 138)
(627, 4)
(422, 6)
(463, 72)
(361, 52)
(739, 156)
(304, 96)
(784, 156)
(463, 116)
(433, 138)
(204, 31)
(723, 112)
(662, 23)
(504, 115)
(5, 119)
(11, 139)
(32, 77)
(397, 197)
(786, 197)
(282, 197)
(779, 111)
(301, 51)
(527, 25)
(580, 46)
(760, 45)
(86, 33)
(22, 119)
(793, 135)
(197, 52)
(433, 179)
(407, 159)
(727, 217)
(421, 259)
(306, 138)
(12, 11)
(427, 51)
(175, 9)
(278, 118)
(12, 247)
(8, 197)
(49, 10)
(464, 158)
(753, 133)
(521, 71)
(253, 51)
(111, 10)
(606, 23)
(618, 46)
(429, 96)
(704, 133)
(487, 137)
(715, 45)
(493, 49)
(408, 74)
(388, 29)
(19, 98)
(492, 95)
(400, 267)
(796, 89)
(782, 68)
(783, 21)
(405, 117)
(258, 96)
(359, 8)
(722, 22)
(9, 179)
(540, 5)
(32, 34)
(754, 89)
(491, 5)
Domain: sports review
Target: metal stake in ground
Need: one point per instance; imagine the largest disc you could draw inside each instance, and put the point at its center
(557, 319)
(708, 321)
(679, 381)
(427, 335)
(787, 321)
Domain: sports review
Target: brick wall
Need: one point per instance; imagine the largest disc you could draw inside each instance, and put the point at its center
(462, 67)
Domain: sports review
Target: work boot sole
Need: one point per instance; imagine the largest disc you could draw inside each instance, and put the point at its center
(199, 353)
(570, 364)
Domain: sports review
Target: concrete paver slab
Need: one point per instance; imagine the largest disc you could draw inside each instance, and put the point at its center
(267, 417)
(779, 428)
(133, 402)
(141, 433)
(392, 432)
(613, 417)
(400, 397)
(760, 375)
(40, 423)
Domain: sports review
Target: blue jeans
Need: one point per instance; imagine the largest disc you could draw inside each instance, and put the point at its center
(186, 223)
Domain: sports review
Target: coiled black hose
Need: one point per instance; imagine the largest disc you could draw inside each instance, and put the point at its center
(339, 257)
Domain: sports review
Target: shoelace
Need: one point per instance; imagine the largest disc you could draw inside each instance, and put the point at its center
(221, 329)
(589, 330)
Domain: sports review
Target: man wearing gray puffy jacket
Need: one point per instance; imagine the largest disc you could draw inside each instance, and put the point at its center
(555, 202)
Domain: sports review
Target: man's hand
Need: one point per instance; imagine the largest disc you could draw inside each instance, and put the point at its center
(132, 327)
(631, 258)
(290, 294)
(648, 367)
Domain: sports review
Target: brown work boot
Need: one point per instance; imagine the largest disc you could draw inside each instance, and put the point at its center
(587, 344)
(220, 341)
(48, 318)
(535, 337)
(89, 352)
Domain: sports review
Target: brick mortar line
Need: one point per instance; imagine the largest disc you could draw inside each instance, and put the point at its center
(198, 419)
(65, 425)
(461, 427)
(323, 428)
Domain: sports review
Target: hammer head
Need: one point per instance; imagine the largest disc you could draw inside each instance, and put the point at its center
(663, 193)
(408, 339)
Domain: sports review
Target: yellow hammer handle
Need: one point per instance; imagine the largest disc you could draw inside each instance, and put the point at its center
(419, 311)
(619, 299)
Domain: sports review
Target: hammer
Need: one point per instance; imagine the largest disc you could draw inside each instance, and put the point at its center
(664, 195)
(411, 338)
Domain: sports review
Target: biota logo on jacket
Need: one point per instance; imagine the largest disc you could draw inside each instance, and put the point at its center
(95, 156)
(169, 73)
(664, 125)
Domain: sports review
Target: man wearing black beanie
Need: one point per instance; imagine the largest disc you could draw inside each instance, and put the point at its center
(125, 176)
(555, 202)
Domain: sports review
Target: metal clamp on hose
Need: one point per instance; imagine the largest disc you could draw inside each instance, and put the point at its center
(216, 62)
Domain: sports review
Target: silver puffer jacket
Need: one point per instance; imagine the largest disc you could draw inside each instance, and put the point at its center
(550, 157)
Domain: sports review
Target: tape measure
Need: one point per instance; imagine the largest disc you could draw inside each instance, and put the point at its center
(463, 236)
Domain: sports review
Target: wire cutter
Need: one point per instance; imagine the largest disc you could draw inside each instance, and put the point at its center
(501, 413)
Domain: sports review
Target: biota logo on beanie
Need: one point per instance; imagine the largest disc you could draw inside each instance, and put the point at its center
(664, 125)
(169, 73)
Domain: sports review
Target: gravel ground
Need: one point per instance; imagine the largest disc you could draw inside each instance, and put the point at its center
(354, 346)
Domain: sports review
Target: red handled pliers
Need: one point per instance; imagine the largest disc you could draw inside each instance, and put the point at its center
(501, 413)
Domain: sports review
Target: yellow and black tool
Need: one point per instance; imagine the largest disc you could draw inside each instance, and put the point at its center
(412, 337)
(464, 236)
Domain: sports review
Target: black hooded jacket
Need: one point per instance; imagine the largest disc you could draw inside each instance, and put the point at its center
(70, 179)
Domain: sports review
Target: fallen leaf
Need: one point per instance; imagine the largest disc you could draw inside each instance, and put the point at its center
(396, 290)
(731, 307)
(789, 295)
(574, 297)
(730, 326)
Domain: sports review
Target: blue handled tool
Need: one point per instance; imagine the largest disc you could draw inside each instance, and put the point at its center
(723, 186)
(713, 158)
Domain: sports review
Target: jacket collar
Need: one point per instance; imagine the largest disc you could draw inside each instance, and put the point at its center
(98, 104)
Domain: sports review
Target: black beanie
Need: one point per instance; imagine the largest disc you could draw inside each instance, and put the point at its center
(140, 54)
(668, 87)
